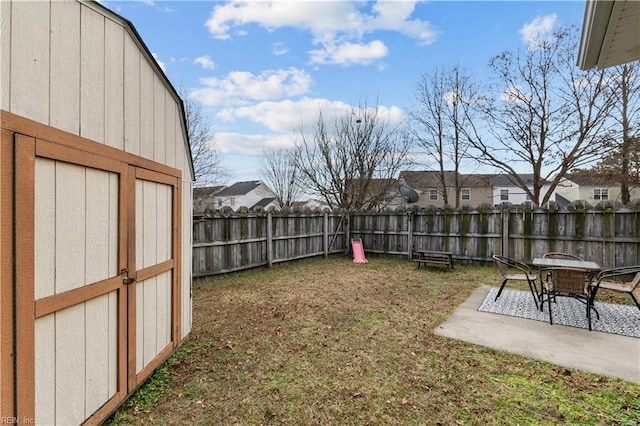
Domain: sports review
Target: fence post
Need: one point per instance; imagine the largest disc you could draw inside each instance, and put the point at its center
(269, 240)
(325, 231)
(410, 234)
(505, 231)
(347, 233)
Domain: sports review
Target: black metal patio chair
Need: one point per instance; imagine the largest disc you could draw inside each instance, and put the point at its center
(613, 279)
(569, 282)
(515, 270)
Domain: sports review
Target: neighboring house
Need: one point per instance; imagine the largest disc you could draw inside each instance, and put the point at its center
(203, 198)
(382, 194)
(266, 203)
(475, 188)
(372, 194)
(593, 188)
(244, 194)
(506, 189)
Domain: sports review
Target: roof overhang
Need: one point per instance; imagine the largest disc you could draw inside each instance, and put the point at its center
(610, 33)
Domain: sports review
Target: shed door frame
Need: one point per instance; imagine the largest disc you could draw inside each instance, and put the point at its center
(33, 140)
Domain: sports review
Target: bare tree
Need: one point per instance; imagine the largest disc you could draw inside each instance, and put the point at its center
(442, 111)
(620, 161)
(546, 114)
(207, 162)
(279, 173)
(626, 111)
(352, 161)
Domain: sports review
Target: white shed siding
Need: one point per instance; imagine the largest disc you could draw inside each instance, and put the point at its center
(121, 102)
(153, 296)
(172, 130)
(76, 211)
(70, 214)
(159, 117)
(65, 67)
(146, 110)
(114, 85)
(131, 91)
(45, 228)
(92, 76)
(45, 364)
(81, 221)
(187, 242)
(5, 65)
(30, 49)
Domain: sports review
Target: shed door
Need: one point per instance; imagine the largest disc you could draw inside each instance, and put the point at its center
(97, 296)
(79, 299)
(153, 304)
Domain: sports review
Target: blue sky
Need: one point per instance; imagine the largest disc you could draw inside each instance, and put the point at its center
(262, 69)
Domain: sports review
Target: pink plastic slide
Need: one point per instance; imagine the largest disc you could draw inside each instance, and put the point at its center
(358, 252)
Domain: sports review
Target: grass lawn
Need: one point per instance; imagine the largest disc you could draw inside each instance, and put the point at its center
(335, 343)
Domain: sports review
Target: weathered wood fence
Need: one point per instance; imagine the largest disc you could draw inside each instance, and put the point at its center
(229, 242)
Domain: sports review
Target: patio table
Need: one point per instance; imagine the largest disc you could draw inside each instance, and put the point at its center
(549, 263)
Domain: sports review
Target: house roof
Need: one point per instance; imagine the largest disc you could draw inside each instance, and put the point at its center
(598, 179)
(510, 180)
(562, 200)
(423, 179)
(264, 202)
(205, 191)
(475, 180)
(610, 33)
(374, 184)
(239, 188)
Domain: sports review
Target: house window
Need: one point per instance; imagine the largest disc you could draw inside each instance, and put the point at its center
(504, 195)
(232, 201)
(465, 194)
(433, 195)
(600, 194)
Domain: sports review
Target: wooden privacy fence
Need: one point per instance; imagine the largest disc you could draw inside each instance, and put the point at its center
(229, 242)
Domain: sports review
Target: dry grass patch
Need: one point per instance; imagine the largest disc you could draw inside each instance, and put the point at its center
(332, 342)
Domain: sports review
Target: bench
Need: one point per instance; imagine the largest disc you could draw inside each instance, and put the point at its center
(423, 257)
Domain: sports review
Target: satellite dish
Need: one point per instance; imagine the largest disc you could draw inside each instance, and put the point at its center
(409, 194)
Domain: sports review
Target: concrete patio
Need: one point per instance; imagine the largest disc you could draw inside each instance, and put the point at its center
(608, 354)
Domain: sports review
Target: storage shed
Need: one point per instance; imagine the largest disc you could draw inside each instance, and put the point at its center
(95, 272)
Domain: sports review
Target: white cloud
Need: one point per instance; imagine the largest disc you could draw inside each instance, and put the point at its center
(395, 16)
(279, 49)
(289, 116)
(241, 144)
(278, 125)
(538, 30)
(337, 26)
(238, 87)
(286, 116)
(316, 17)
(350, 53)
(205, 62)
(515, 95)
